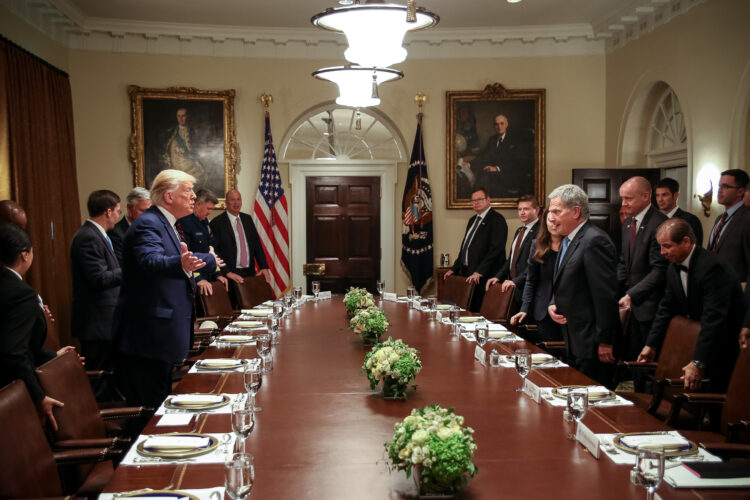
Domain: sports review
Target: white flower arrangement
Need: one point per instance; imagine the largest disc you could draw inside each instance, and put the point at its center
(370, 322)
(395, 364)
(358, 298)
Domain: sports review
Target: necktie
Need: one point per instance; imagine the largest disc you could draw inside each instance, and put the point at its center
(467, 242)
(243, 243)
(516, 251)
(683, 277)
(563, 249)
(717, 232)
(110, 242)
(633, 232)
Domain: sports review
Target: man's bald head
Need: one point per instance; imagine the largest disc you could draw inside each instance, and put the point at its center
(12, 212)
(636, 195)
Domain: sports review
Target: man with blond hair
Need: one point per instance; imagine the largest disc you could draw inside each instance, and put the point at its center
(154, 317)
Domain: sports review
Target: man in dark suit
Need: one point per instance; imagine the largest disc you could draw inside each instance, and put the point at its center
(196, 232)
(704, 288)
(513, 272)
(667, 190)
(96, 277)
(640, 271)
(584, 286)
(154, 316)
(238, 244)
(730, 236)
(483, 248)
(137, 201)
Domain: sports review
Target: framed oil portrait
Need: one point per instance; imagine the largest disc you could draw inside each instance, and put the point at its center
(495, 139)
(186, 129)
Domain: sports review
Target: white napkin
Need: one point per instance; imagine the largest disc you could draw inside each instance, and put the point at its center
(192, 399)
(469, 319)
(235, 338)
(165, 443)
(220, 362)
(666, 441)
(206, 325)
(246, 324)
(175, 419)
(268, 303)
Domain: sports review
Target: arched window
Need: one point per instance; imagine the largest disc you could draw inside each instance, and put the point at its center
(667, 135)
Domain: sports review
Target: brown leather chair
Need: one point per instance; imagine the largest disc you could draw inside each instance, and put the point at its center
(217, 304)
(456, 290)
(497, 305)
(29, 467)
(253, 291)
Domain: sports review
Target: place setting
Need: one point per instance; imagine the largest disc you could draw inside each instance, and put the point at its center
(220, 365)
(538, 360)
(215, 493)
(179, 447)
(196, 403)
(623, 448)
(598, 395)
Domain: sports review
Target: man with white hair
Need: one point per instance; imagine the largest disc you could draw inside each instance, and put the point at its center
(584, 285)
(138, 200)
(154, 317)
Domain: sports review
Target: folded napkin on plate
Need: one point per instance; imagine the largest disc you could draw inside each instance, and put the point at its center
(235, 338)
(196, 399)
(496, 327)
(443, 307)
(669, 442)
(246, 324)
(268, 303)
(220, 362)
(260, 313)
(469, 319)
(541, 357)
(497, 334)
(176, 443)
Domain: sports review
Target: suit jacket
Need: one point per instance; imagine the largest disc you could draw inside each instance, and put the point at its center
(154, 312)
(523, 261)
(487, 249)
(96, 277)
(584, 289)
(694, 222)
(642, 275)
(226, 246)
(197, 235)
(117, 235)
(515, 157)
(537, 290)
(715, 299)
(23, 329)
(734, 244)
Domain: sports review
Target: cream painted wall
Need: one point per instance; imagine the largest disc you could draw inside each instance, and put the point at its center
(575, 114)
(704, 55)
(32, 40)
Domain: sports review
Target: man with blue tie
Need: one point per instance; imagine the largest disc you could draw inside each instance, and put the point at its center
(96, 276)
(584, 286)
(154, 316)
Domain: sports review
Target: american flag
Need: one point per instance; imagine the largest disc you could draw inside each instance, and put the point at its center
(270, 217)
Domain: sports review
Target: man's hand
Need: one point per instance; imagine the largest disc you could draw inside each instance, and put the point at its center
(507, 285)
(490, 282)
(647, 355)
(491, 168)
(48, 313)
(447, 273)
(744, 338)
(605, 353)
(189, 261)
(474, 278)
(517, 318)
(692, 375)
(235, 277)
(45, 410)
(557, 318)
(219, 261)
(626, 302)
(205, 287)
(266, 274)
(223, 281)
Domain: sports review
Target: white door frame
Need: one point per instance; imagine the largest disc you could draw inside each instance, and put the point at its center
(299, 170)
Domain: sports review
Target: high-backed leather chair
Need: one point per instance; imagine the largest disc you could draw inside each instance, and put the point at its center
(456, 290)
(218, 303)
(29, 467)
(253, 291)
(497, 305)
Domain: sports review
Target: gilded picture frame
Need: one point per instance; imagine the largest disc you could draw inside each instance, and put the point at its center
(187, 129)
(495, 138)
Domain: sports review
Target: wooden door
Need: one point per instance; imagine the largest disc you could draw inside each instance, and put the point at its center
(603, 188)
(343, 230)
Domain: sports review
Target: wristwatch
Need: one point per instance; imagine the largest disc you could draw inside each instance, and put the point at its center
(699, 364)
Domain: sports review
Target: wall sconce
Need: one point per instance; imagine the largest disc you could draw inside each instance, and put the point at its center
(706, 198)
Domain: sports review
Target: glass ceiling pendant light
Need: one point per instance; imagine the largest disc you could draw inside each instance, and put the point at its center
(358, 86)
(375, 30)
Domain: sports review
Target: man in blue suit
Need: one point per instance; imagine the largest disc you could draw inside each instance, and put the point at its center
(154, 317)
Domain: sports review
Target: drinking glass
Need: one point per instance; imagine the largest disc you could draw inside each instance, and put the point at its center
(649, 469)
(481, 333)
(289, 303)
(263, 346)
(243, 422)
(297, 296)
(454, 314)
(577, 404)
(410, 293)
(253, 379)
(239, 475)
(278, 309)
(316, 289)
(272, 325)
(523, 365)
(380, 285)
(432, 303)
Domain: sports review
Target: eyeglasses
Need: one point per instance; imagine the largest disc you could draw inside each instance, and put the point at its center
(727, 186)
(474, 200)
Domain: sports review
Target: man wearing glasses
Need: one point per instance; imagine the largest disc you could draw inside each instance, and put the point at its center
(482, 251)
(730, 236)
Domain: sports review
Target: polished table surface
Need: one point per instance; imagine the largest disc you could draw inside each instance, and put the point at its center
(321, 432)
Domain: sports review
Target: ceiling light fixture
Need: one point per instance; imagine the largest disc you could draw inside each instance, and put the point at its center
(375, 30)
(358, 86)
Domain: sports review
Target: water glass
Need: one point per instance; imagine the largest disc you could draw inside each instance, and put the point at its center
(649, 469)
(267, 360)
(272, 325)
(380, 285)
(432, 303)
(239, 475)
(577, 404)
(411, 292)
(243, 422)
(289, 303)
(316, 289)
(454, 314)
(445, 260)
(253, 380)
(297, 296)
(522, 359)
(481, 333)
(278, 309)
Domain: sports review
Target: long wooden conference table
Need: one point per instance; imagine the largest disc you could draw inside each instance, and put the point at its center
(321, 432)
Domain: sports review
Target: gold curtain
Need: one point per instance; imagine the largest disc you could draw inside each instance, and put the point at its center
(43, 171)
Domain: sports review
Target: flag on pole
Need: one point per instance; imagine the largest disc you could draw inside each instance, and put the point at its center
(270, 217)
(416, 233)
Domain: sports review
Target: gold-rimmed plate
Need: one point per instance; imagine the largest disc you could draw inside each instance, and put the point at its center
(196, 404)
(166, 494)
(220, 364)
(247, 324)
(674, 451)
(236, 339)
(187, 452)
(561, 392)
(537, 358)
(469, 319)
(443, 307)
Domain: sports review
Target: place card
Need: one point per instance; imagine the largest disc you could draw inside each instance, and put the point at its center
(588, 439)
(532, 390)
(390, 296)
(480, 355)
(324, 295)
